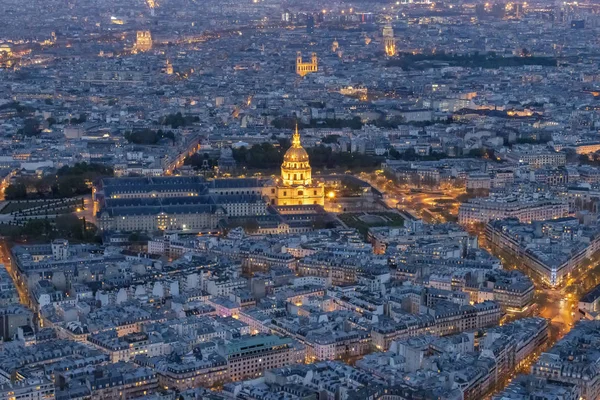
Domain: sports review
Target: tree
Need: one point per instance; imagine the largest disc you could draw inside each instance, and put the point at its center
(16, 191)
(69, 186)
(44, 185)
(263, 155)
(137, 237)
(290, 123)
(251, 226)
(31, 127)
(37, 228)
(196, 160)
(148, 136)
(352, 189)
(82, 118)
(89, 170)
(393, 153)
(331, 139)
(70, 226)
(178, 120)
(321, 224)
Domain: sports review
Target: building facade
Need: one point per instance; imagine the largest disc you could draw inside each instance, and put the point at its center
(296, 186)
(304, 68)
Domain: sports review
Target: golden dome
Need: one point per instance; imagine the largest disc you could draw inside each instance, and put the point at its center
(296, 153)
(295, 169)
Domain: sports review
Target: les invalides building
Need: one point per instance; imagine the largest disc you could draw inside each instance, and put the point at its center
(296, 186)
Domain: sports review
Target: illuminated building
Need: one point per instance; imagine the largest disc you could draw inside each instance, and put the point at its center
(168, 68)
(296, 186)
(523, 208)
(143, 41)
(5, 50)
(304, 68)
(31, 388)
(335, 46)
(389, 42)
(551, 249)
(152, 5)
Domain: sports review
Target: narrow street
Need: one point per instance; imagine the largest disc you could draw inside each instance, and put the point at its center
(5, 259)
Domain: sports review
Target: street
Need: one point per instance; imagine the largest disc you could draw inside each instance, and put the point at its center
(433, 206)
(88, 211)
(558, 305)
(5, 259)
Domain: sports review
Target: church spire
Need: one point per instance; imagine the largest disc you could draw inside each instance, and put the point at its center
(296, 138)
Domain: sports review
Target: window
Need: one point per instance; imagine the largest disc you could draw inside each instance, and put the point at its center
(300, 192)
(284, 193)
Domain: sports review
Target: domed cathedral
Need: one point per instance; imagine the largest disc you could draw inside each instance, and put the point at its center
(296, 186)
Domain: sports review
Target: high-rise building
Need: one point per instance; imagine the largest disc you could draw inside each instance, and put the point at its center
(296, 186)
(389, 42)
(304, 68)
(143, 41)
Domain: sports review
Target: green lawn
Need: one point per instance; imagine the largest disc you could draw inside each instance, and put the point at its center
(353, 220)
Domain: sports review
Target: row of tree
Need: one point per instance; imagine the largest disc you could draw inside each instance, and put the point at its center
(67, 182)
(178, 120)
(333, 123)
(67, 226)
(259, 156)
(148, 136)
(197, 160)
(267, 156)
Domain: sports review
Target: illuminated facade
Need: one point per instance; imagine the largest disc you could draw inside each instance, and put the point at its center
(168, 68)
(143, 41)
(389, 42)
(5, 50)
(304, 68)
(296, 186)
(335, 46)
(152, 4)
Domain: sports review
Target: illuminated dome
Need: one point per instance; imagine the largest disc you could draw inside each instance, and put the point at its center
(335, 46)
(295, 169)
(296, 153)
